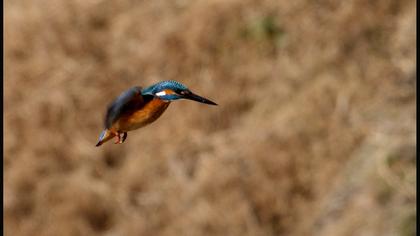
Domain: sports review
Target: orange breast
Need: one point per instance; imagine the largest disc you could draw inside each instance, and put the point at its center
(149, 113)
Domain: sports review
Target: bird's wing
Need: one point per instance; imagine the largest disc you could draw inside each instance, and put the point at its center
(129, 101)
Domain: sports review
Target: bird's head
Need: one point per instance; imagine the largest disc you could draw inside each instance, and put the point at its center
(172, 90)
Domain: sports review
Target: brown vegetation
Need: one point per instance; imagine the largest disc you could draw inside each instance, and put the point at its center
(314, 133)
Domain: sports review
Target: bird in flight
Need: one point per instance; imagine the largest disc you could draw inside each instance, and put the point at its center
(138, 107)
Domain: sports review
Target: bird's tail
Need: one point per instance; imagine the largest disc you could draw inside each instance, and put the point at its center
(105, 136)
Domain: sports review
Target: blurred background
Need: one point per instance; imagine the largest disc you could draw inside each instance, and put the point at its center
(314, 133)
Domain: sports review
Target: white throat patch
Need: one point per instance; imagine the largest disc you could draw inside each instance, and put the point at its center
(161, 93)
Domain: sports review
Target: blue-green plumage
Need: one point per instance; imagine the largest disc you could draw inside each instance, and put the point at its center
(168, 84)
(129, 100)
(137, 107)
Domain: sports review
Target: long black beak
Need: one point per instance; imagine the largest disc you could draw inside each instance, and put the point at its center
(195, 97)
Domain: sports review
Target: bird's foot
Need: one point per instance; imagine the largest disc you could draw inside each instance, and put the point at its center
(121, 137)
(124, 136)
(117, 139)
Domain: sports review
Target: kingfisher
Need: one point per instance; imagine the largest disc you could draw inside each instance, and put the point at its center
(137, 107)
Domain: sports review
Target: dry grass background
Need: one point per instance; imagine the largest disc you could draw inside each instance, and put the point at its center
(314, 134)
